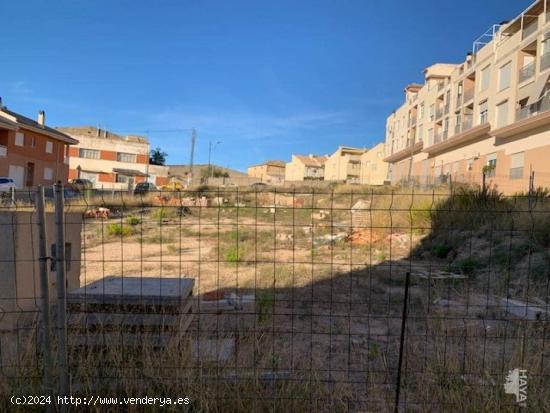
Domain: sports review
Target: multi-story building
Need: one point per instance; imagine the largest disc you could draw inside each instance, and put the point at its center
(305, 168)
(374, 171)
(111, 161)
(344, 165)
(271, 172)
(489, 115)
(32, 153)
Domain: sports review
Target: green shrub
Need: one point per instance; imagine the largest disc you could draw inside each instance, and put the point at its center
(118, 230)
(233, 255)
(160, 214)
(441, 250)
(133, 221)
(468, 265)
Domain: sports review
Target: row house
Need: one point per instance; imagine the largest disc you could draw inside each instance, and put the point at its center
(305, 168)
(271, 172)
(344, 165)
(374, 170)
(112, 161)
(32, 153)
(488, 115)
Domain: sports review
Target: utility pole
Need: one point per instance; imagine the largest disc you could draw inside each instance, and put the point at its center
(193, 139)
(210, 169)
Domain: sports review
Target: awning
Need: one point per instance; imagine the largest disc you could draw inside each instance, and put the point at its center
(129, 172)
(525, 91)
(538, 88)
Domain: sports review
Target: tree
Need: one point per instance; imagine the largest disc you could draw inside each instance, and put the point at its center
(157, 157)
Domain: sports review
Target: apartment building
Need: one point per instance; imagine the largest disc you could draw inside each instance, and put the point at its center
(270, 172)
(111, 161)
(487, 115)
(32, 153)
(344, 165)
(374, 170)
(305, 168)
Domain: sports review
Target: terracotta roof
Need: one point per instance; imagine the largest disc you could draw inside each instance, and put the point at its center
(312, 160)
(92, 131)
(27, 123)
(280, 164)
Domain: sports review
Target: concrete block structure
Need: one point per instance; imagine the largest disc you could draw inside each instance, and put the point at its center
(305, 168)
(489, 114)
(19, 273)
(32, 153)
(269, 172)
(344, 165)
(111, 161)
(374, 170)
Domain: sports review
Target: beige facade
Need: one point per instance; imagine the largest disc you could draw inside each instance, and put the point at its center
(305, 168)
(374, 171)
(489, 112)
(270, 172)
(344, 165)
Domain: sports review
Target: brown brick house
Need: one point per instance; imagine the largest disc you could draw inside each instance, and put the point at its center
(32, 153)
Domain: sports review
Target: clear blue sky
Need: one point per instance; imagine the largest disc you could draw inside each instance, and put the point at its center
(265, 78)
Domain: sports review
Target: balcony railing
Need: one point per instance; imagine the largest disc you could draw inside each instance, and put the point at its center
(468, 95)
(529, 29)
(458, 101)
(542, 105)
(545, 61)
(440, 85)
(467, 123)
(3, 151)
(527, 72)
(445, 134)
(437, 137)
(446, 108)
(438, 112)
(413, 122)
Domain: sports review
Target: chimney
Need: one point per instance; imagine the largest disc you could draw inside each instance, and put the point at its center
(41, 118)
(98, 132)
(105, 133)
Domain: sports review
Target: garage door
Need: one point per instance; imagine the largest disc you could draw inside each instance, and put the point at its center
(17, 173)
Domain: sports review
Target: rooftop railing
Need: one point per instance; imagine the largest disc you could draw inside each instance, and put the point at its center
(527, 72)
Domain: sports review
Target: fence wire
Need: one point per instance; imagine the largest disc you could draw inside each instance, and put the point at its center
(272, 300)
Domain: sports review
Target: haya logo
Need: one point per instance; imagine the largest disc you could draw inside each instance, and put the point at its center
(516, 384)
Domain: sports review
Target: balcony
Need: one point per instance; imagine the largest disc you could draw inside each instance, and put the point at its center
(437, 137)
(412, 122)
(440, 86)
(527, 72)
(3, 151)
(438, 113)
(467, 123)
(545, 61)
(542, 105)
(529, 29)
(458, 101)
(468, 94)
(468, 135)
(446, 108)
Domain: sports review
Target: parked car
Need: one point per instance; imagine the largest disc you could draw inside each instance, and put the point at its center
(144, 188)
(80, 184)
(6, 183)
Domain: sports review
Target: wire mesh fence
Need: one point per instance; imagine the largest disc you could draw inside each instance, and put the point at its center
(264, 300)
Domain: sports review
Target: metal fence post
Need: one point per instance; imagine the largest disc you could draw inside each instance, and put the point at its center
(402, 341)
(61, 291)
(44, 290)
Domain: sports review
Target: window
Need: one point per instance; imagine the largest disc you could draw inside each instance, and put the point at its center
(483, 109)
(33, 142)
(123, 179)
(421, 112)
(502, 114)
(546, 44)
(491, 165)
(485, 78)
(432, 107)
(126, 157)
(430, 136)
(19, 139)
(469, 164)
(48, 174)
(49, 146)
(89, 153)
(420, 133)
(516, 165)
(504, 76)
